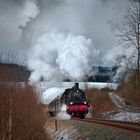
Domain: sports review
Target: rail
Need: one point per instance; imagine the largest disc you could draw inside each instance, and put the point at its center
(118, 124)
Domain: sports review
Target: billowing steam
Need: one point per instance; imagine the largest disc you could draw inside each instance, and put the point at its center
(62, 115)
(57, 55)
(14, 14)
(70, 37)
(62, 38)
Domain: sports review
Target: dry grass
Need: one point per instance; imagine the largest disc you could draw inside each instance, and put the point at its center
(21, 116)
(130, 93)
(13, 72)
(99, 100)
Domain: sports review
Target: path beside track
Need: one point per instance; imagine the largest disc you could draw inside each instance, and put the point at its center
(120, 103)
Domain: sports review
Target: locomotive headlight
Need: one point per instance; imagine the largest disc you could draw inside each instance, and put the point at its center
(71, 103)
(85, 103)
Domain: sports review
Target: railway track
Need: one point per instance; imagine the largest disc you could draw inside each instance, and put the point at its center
(132, 126)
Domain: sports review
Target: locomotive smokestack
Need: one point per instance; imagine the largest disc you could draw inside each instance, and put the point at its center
(77, 85)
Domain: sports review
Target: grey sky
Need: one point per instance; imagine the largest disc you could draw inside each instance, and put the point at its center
(95, 19)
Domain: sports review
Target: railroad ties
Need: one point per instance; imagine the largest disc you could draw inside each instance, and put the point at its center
(114, 123)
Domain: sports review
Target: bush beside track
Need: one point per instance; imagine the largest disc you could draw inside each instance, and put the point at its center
(100, 101)
(21, 116)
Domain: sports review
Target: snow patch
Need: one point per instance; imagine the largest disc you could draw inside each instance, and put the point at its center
(126, 116)
(50, 91)
(62, 115)
(65, 134)
(89, 115)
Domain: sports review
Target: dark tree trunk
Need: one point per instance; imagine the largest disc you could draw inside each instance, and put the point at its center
(10, 118)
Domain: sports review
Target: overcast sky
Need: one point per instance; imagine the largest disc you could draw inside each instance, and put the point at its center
(94, 18)
(24, 22)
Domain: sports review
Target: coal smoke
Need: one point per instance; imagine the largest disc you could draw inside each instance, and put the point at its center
(70, 37)
(57, 55)
(62, 38)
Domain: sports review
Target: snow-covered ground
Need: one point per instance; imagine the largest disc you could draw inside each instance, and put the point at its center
(121, 104)
(62, 115)
(127, 113)
(118, 101)
(50, 91)
(42, 86)
(126, 116)
(65, 134)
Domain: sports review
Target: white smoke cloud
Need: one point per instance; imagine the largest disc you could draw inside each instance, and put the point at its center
(110, 58)
(124, 58)
(13, 15)
(69, 51)
(57, 55)
(126, 66)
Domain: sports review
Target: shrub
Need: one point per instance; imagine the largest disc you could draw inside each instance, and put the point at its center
(21, 116)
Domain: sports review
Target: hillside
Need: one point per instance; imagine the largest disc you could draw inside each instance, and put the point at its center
(129, 93)
(13, 72)
(100, 101)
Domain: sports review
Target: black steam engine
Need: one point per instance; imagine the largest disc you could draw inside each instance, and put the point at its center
(75, 100)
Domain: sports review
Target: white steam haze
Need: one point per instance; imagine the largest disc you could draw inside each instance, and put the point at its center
(62, 38)
(62, 115)
(13, 15)
(56, 55)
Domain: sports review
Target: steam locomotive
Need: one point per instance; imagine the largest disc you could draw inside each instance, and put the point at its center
(75, 100)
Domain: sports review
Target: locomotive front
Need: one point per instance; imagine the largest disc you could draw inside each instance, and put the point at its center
(76, 102)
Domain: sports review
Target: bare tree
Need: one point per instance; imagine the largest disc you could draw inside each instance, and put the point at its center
(21, 115)
(12, 67)
(130, 34)
(9, 82)
(9, 56)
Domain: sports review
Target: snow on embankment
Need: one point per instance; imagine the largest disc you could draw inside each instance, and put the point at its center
(127, 113)
(126, 116)
(51, 91)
